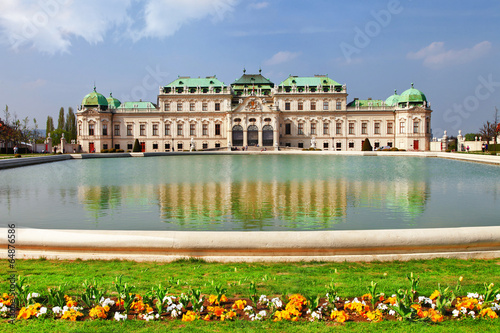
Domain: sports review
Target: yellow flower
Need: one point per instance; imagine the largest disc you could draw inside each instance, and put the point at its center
(374, 316)
(239, 304)
(189, 316)
(488, 313)
(435, 294)
(339, 316)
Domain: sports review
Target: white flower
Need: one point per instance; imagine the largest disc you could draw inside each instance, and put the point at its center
(180, 306)
(56, 309)
(472, 295)
(263, 299)
(472, 314)
(456, 313)
(32, 295)
(316, 315)
(201, 308)
(106, 302)
(149, 317)
(174, 313)
(382, 306)
(248, 308)
(498, 297)
(433, 305)
(119, 316)
(392, 312)
(42, 311)
(277, 302)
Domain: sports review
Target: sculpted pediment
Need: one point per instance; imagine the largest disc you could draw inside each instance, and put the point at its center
(252, 104)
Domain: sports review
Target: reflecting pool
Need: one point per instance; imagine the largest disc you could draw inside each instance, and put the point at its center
(252, 192)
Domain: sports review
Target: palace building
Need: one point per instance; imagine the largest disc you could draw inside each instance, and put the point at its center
(300, 112)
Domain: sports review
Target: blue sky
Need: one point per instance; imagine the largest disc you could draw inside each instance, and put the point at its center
(52, 51)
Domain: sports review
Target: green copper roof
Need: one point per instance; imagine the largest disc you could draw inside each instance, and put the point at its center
(322, 80)
(113, 103)
(412, 95)
(367, 102)
(393, 100)
(252, 79)
(196, 82)
(94, 99)
(137, 105)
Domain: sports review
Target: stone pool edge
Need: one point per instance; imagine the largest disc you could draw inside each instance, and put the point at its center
(283, 246)
(27, 161)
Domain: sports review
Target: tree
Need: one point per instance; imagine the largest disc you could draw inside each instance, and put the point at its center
(70, 126)
(488, 131)
(50, 125)
(367, 145)
(56, 136)
(137, 147)
(60, 121)
(471, 136)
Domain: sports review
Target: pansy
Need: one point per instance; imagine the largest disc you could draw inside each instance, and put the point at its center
(118, 316)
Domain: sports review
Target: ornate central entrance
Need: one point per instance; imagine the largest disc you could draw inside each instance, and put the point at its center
(253, 135)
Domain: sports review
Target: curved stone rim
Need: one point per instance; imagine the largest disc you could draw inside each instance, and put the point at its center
(229, 246)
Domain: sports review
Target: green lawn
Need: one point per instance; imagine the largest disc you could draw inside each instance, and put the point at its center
(273, 279)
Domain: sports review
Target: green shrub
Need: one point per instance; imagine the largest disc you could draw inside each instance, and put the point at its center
(119, 150)
(401, 149)
(394, 149)
(112, 150)
(137, 146)
(104, 151)
(367, 145)
(17, 155)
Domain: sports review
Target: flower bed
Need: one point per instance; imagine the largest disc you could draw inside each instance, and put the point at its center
(95, 304)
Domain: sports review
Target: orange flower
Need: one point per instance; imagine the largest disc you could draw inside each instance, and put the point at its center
(189, 316)
(488, 313)
(435, 316)
(374, 316)
(366, 297)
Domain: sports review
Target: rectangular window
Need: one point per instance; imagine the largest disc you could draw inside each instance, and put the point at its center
(204, 106)
(376, 145)
(364, 127)
(179, 146)
(287, 106)
(179, 106)
(300, 129)
(142, 130)
(427, 127)
(167, 129)
(326, 105)
(325, 145)
(117, 146)
(129, 146)
(351, 128)
(313, 106)
(300, 106)
(217, 106)
(192, 129)
(167, 146)
(217, 145)
(104, 129)
(339, 145)
(205, 145)
(79, 129)
(389, 144)
(191, 106)
(117, 130)
(179, 129)
(91, 129)
(105, 146)
(313, 128)
(416, 127)
(288, 129)
(390, 129)
(217, 129)
(155, 129)
(325, 129)
(155, 146)
(205, 129)
(301, 145)
(339, 105)
(338, 128)
(129, 130)
(402, 127)
(167, 106)
(351, 144)
(376, 128)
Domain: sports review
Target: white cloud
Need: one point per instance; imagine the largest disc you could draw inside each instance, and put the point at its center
(35, 84)
(281, 57)
(164, 17)
(259, 5)
(49, 26)
(435, 55)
